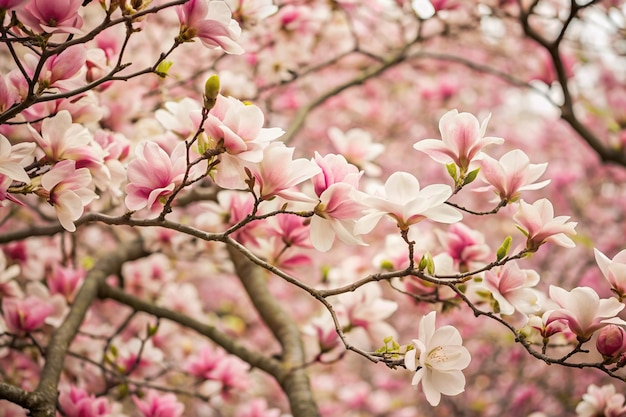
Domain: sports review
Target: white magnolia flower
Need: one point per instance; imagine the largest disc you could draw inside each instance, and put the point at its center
(438, 359)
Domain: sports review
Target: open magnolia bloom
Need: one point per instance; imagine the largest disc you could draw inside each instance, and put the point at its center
(438, 358)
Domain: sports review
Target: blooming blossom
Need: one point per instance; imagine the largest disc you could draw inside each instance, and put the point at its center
(61, 139)
(538, 223)
(584, 311)
(601, 401)
(407, 204)
(61, 71)
(336, 214)
(26, 314)
(153, 175)
(78, 403)
(614, 270)
(462, 140)
(69, 191)
(212, 23)
(275, 175)
(511, 174)
(59, 16)
(438, 358)
(159, 405)
(465, 246)
(12, 158)
(511, 288)
(357, 147)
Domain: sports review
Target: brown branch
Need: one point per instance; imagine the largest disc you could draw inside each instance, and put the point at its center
(295, 382)
(57, 349)
(267, 364)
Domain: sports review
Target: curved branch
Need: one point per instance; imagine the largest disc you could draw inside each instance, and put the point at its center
(295, 383)
(267, 364)
(57, 349)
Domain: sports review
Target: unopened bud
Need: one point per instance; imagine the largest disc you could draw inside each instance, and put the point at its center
(211, 91)
(163, 68)
(611, 341)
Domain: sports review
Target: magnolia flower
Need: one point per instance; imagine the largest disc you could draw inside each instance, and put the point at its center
(59, 16)
(275, 175)
(438, 358)
(153, 175)
(538, 223)
(584, 311)
(61, 71)
(211, 22)
(159, 405)
(462, 140)
(611, 341)
(335, 169)
(69, 191)
(614, 270)
(77, 403)
(511, 174)
(601, 401)
(336, 214)
(12, 158)
(357, 147)
(26, 314)
(511, 286)
(404, 201)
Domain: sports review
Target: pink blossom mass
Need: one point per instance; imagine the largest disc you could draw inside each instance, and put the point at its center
(272, 208)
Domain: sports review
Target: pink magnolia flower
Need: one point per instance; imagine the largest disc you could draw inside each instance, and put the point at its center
(69, 191)
(365, 311)
(65, 281)
(239, 128)
(153, 175)
(212, 23)
(438, 358)
(336, 214)
(584, 311)
(465, 246)
(510, 287)
(274, 175)
(614, 270)
(601, 401)
(8, 93)
(538, 223)
(12, 161)
(159, 405)
(407, 204)
(511, 174)
(78, 403)
(205, 362)
(61, 139)
(357, 147)
(61, 71)
(11, 4)
(462, 140)
(59, 16)
(8, 285)
(26, 314)
(335, 168)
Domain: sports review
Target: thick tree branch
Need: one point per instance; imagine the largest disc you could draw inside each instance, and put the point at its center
(57, 349)
(296, 382)
(255, 359)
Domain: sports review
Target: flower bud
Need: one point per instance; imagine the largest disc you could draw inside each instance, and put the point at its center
(611, 341)
(211, 91)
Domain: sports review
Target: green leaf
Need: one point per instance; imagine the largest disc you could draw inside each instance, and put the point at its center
(451, 167)
(471, 176)
(503, 250)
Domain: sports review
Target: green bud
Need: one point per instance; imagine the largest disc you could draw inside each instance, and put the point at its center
(211, 91)
(163, 68)
(503, 250)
